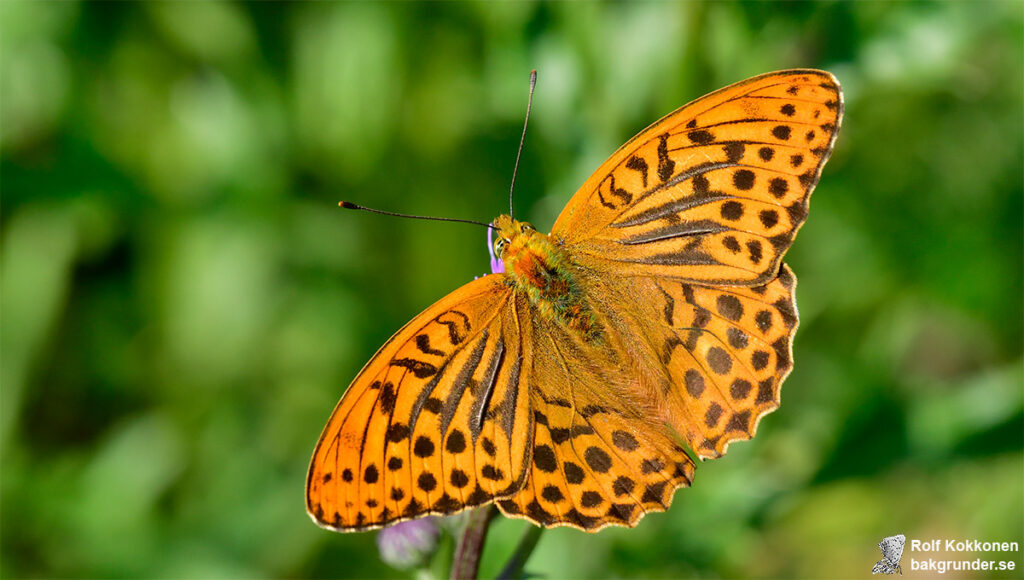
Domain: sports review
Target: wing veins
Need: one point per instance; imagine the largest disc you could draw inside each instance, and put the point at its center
(717, 104)
(748, 120)
(428, 390)
(366, 428)
(572, 442)
(462, 381)
(787, 99)
(482, 402)
(682, 230)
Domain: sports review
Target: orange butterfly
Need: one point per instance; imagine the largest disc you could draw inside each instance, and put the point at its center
(656, 316)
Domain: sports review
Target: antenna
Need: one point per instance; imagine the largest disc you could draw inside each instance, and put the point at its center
(529, 103)
(350, 205)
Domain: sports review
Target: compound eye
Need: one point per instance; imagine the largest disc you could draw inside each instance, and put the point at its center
(526, 228)
(499, 246)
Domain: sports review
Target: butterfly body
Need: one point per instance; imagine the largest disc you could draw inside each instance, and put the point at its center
(538, 267)
(656, 317)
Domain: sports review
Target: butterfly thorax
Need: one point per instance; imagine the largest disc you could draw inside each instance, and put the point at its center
(537, 266)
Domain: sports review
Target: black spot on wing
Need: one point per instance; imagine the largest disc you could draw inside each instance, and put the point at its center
(734, 151)
(729, 306)
(597, 459)
(743, 179)
(719, 360)
(433, 405)
(423, 343)
(624, 440)
(769, 218)
(694, 382)
(458, 478)
(544, 458)
(419, 368)
(424, 447)
(665, 165)
(732, 210)
(739, 422)
(778, 187)
(457, 323)
(739, 389)
(701, 137)
(387, 398)
(765, 393)
(639, 165)
(456, 442)
(371, 474)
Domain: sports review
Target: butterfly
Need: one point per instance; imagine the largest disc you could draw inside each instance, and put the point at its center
(654, 324)
(892, 551)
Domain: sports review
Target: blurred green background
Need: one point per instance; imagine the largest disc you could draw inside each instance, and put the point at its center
(183, 303)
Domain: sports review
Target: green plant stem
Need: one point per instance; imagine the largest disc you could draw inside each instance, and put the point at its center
(466, 562)
(514, 568)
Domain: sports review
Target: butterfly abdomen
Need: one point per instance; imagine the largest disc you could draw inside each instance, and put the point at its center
(542, 273)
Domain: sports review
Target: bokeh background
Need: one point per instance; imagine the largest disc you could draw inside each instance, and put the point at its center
(183, 303)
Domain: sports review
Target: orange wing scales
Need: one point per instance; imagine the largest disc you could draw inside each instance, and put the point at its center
(727, 351)
(596, 460)
(714, 192)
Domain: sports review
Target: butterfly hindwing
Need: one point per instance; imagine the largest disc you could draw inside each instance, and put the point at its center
(597, 458)
(726, 351)
(432, 423)
(592, 472)
(713, 192)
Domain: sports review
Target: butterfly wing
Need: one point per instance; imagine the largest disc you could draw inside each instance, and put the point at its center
(892, 547)
(598, 456)
(883, 567)
(433, 423)
(723, 352)
(714, 192)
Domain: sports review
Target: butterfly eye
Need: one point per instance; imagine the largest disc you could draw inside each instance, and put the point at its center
(499, 246)
(526, 228)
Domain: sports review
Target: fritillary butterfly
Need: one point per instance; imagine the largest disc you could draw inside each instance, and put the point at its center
(657, 315)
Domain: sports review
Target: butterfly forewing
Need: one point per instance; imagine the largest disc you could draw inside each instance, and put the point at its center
(432, 424)
(715, 191)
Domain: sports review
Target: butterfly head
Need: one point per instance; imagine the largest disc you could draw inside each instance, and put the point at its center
(526, 253)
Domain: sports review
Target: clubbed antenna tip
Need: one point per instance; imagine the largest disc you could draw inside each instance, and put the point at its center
(529, 104)
(350, 205)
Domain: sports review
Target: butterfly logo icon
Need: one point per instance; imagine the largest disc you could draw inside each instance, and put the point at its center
(892, 551)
